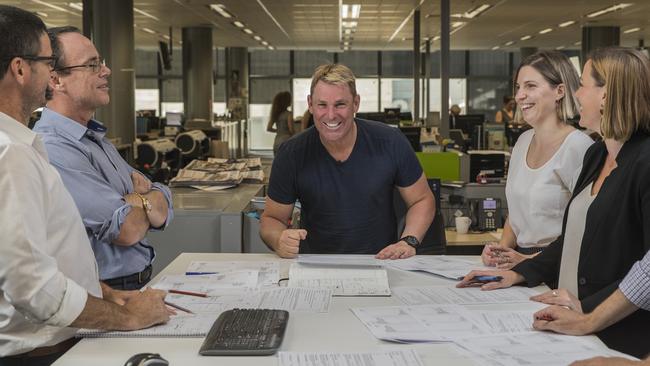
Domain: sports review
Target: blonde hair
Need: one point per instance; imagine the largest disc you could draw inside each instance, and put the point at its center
(335, 74)
(556, 69)
(625, 75)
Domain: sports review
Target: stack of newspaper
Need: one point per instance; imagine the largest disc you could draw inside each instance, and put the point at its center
(219, 173)
(189, 178)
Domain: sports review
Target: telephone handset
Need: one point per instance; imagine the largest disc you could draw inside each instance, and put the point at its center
(486, 214)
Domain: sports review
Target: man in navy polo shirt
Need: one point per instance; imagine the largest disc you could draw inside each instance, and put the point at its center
(343, 171)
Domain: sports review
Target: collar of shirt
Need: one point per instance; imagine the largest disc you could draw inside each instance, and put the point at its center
(21, 133)
(68, 127)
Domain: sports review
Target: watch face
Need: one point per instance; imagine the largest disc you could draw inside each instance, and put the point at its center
(411, 240)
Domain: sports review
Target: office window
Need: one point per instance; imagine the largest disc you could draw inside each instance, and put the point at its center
(219, 91)
(172, 90)
(171, 107)
(259, 139)
(220, 62)
(486, 96)
(269, 63)
(397, 64)
(299, 91)
(146, 62)
(397, 93)
(457, 94)
(489, 63)
(263, 90)
(305, 62)
(367, 88)
(146, 99)
(219, 108)
(457, 63)
(362, 63)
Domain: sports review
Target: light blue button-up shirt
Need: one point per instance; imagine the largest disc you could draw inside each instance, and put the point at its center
(98, 179)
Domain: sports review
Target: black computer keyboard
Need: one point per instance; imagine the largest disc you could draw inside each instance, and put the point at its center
(246, 332)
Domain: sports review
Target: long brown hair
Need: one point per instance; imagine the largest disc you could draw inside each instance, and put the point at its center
(281, 102)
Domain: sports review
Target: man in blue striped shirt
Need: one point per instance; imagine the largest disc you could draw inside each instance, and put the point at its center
(118, 205)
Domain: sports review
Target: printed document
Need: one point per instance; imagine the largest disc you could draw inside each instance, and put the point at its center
(269, 272)
(462, 296)
(209, 284)
(441, 265)
(341, 259)
(343, 281)
(377, 358)
(535, 348)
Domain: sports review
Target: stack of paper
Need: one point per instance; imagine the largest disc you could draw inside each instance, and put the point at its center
(377, 358)
(269, 272)
(462, 296)
(343, 281)
(445, 266)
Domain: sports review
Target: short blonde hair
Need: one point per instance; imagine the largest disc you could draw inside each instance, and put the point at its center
(556, 69)
(625, 75)
(335, 74)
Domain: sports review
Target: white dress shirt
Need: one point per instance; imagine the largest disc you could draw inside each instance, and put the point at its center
(537, 197)
(47, 267)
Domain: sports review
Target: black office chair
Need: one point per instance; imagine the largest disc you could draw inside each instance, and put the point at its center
(434, 241)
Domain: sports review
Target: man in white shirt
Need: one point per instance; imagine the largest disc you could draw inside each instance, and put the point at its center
(48, 275)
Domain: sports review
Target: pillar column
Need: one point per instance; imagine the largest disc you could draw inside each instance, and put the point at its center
(197, 73)
(597, 37)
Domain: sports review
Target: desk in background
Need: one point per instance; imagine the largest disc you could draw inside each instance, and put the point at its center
(470, 243)
(338, 330)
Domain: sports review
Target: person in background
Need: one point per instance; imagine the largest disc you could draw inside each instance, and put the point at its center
(344, 172)
(454, 111)
(606, 225)
(118, 204)
(307, 120)
(507, 113)
(49, 283)
(633, 293)
(545, 162)
(281, 118)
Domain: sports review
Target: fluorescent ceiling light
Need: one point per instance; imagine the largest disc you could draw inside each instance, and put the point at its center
(436, 38)
(271, 48)
(510, 43)
(567, 23)
(473, 13)
(457, 24)
(345, 11)
(77, 6)
(265, 43)
(547, 30)
(525, 38)
(166, 37)
(349, 24)
(55, 7)
(151, 31)
(238, 24)
(41, 14)
(495, 48)
(248, 31)
(577, 43)
(559, 48)
(141, 12)
(221, 9)
(257, 38)
(356, 10)
(346, 43)
(609, 10)
(632, 30)
(348, 31)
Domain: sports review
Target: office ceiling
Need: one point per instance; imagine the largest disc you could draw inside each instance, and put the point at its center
(382, 24)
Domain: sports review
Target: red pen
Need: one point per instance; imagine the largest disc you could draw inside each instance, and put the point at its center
(188, 293)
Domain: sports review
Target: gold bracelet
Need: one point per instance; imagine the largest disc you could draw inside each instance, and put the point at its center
(146, 205)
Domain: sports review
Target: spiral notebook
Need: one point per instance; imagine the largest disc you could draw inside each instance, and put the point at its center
(178, 326)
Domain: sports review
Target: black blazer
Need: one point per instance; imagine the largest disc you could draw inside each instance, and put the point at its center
(617, 234)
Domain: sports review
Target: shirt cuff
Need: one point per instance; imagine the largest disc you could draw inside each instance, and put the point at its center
(112, 232)
(170, 207)
(636, 287)
(74, 302)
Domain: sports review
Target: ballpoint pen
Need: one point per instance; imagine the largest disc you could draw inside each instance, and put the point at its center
(178, 307)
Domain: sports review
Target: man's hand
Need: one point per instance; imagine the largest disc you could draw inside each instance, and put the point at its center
(289, 242)
(562, 320)
(509, 278)
(398, 250)
(116, 296)
(148, 308)
(560, 297)
(141, 184)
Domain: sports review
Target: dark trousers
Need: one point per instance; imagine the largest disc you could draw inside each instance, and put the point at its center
(134, 281)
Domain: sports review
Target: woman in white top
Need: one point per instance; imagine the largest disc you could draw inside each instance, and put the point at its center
(545, 162)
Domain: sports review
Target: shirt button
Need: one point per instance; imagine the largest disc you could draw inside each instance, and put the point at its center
(582, 281)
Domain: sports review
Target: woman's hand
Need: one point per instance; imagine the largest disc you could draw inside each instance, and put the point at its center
(560, 297)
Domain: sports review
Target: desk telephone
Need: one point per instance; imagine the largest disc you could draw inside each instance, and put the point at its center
(486, 214)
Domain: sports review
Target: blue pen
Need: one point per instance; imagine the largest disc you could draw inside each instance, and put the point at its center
(486, 278)
(200, 273)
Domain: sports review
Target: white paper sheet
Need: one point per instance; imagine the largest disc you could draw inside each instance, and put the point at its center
(209, 284)
(296, 299)
(378, 358)
(536, 348)
(445, 266)
(462, 296)
(340, 259)
(269, 272)
(343, 281)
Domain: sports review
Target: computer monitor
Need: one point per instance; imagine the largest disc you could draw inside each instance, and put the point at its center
(372, 116)
(413, 135)
(467, 122)
(174, 119)
(391, 116)
(406, 116)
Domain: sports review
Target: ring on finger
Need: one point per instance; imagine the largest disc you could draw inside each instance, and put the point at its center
(554, 293)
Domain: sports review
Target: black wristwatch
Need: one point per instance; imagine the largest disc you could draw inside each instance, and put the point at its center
(411, 240)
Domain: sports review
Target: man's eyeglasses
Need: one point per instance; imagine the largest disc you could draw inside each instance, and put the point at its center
(49, 60)
(94, 66)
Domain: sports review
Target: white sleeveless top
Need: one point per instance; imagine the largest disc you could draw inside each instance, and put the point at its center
(538, 197)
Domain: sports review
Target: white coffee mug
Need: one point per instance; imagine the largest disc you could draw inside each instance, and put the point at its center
(462, 224)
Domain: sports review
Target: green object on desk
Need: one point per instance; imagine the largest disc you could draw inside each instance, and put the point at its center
(443, 165)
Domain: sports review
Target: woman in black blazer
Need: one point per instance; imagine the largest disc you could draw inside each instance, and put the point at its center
(614, 189)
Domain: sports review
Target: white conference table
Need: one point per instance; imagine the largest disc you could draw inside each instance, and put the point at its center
(337, 331)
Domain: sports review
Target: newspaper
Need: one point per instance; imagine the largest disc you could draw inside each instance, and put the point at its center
(186, 178)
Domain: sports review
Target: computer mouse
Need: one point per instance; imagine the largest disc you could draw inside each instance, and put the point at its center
(146, 359)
